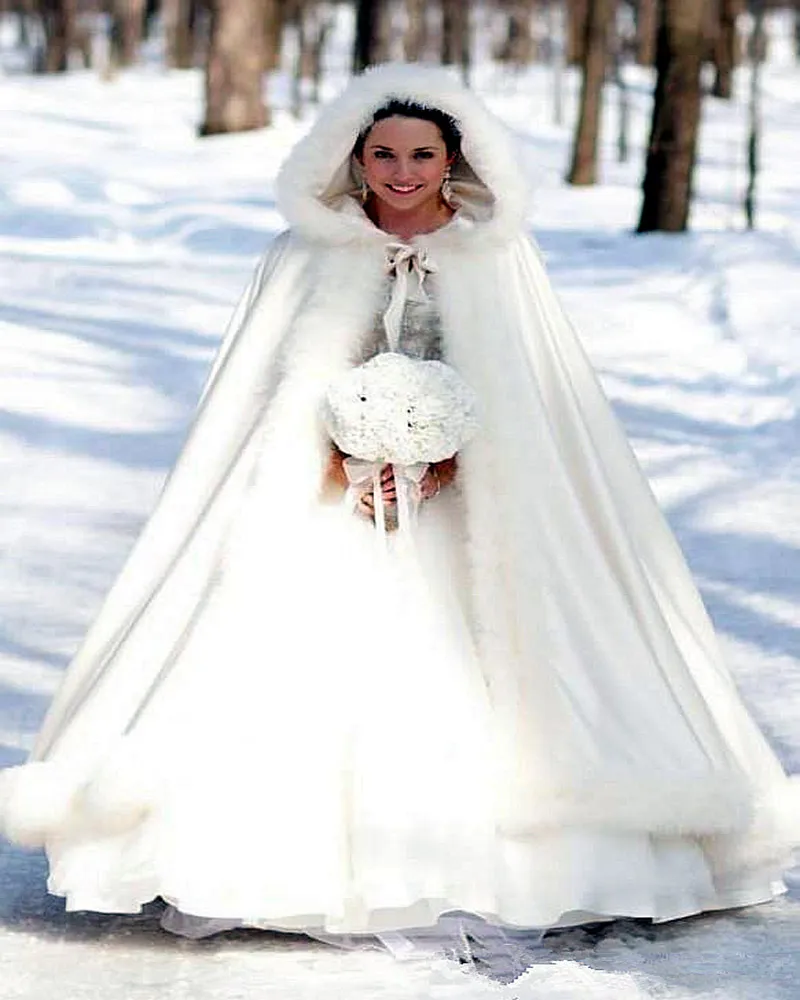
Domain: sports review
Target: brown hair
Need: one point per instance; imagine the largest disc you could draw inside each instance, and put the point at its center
(447, 125)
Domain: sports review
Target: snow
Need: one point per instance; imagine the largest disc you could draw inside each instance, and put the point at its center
(125, 241)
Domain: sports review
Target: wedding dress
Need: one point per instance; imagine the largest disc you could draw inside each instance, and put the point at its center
(520, 713)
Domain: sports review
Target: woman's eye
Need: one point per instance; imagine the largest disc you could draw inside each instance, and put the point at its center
(423, 154)
(382, 154)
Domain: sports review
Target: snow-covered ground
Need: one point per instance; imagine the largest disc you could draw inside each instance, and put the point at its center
(123, 244)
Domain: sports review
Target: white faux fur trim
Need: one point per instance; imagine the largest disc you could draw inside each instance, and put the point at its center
(43, 799)
(486, 145)
(35, 799)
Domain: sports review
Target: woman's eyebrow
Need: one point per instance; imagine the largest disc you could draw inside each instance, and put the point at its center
(416, 149)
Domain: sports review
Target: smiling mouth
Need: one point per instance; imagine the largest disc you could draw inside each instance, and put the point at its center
(404, 188)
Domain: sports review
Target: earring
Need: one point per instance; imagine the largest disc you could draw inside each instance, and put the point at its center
(447, 190)
(364, 192)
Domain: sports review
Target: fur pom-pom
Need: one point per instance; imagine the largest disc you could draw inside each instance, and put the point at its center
(35, 800)
(47, 798)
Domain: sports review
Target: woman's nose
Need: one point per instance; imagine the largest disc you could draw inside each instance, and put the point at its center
(404, 169)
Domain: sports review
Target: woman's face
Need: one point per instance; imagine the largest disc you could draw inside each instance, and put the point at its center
(404, 161)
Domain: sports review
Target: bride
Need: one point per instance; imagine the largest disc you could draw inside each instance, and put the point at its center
(520, 712)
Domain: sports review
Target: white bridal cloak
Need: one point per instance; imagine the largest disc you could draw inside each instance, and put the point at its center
(523, 715)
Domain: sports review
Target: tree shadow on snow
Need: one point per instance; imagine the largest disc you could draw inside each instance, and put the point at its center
(749, 952)
(743, 576)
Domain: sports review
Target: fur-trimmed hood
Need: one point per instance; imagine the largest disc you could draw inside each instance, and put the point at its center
(316, 185)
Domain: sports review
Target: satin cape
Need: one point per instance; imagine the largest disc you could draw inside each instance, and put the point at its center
(613, 708)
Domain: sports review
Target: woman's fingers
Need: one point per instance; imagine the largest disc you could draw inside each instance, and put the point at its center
(388, 489)
(388, 494)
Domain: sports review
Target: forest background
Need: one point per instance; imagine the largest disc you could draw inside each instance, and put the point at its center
(693, 45)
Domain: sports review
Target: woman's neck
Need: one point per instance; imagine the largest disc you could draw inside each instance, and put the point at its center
(407, 225)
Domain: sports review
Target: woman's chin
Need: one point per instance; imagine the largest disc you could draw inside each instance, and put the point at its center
(406, 204)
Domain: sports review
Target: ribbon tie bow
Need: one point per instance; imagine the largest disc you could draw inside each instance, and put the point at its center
(404, 260)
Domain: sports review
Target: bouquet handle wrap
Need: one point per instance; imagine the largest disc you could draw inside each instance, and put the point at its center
(407, 480)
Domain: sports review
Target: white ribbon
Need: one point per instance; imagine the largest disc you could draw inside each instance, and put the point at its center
(403, 260)
(407, 479)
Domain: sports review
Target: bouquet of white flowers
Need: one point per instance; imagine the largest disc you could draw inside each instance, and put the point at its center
(399, 411)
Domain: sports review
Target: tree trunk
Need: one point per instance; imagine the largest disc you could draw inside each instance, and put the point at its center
(555, 21)
(577, 14)
(127, 26)
(323, 24)
(152, 8)
(726, 47)
(300, 19)
(519, 45)
(180, 17)
(58, 24)
(312, 23)
(385, 35)
(456, 50)
(667, 185)
(757, 45)
(234, 99)
(754, 114)
(372, 34)
(623, 96)
(415, 38)
(276, 15)
(25, 12)
(646, 25)
(584, 153)
(797, 28)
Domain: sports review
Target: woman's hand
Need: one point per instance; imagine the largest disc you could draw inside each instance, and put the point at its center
(430, 484)
(335, 476)
(439, 474)
(388, 491)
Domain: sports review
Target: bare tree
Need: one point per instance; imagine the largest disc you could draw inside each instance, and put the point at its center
(646, 24)
(577, 13)
(456, 40)
(797, 28)
(519, 45)
(323, 25)
(373, 33)
(754, 112)
(312, 23)
(726, 46)
(555, 22)
(127, 27)
(276, 16)
(180, 19)
(25, 15)
(623, 94)
(58, 25)
(415, 37)
(680, 48)
(234, 67)
(583, 169)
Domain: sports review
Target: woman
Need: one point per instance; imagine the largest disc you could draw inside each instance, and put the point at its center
(524, 715)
